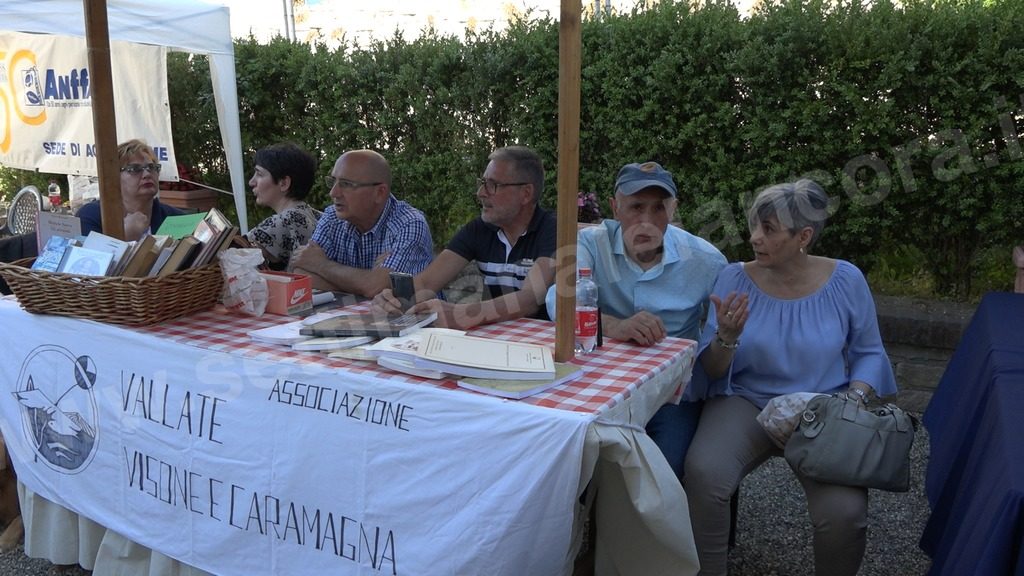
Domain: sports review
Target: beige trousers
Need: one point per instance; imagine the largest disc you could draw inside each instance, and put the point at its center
(728, 445)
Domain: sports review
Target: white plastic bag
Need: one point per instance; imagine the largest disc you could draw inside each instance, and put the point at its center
(781, 415)
(245, 290)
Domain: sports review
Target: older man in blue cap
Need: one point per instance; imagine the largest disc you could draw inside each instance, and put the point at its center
(653, 281)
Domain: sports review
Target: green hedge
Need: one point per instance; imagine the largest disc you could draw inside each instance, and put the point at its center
(907, 113)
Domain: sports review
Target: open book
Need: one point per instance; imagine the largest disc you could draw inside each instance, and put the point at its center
(518, 389)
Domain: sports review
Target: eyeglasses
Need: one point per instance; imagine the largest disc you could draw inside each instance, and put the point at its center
(136, 169)
(492, 186)
(331, 182)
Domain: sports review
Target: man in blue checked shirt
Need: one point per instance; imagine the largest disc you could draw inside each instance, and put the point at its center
(366, 233)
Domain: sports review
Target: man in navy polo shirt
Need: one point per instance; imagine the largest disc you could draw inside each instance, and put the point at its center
(512, 242)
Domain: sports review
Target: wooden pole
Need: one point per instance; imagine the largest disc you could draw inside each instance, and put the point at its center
(569, 56)
(104, 126)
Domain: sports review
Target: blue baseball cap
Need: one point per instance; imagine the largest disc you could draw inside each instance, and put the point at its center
(633, 178)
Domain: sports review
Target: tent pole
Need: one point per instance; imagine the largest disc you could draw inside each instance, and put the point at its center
(569, 56)
(97, 38)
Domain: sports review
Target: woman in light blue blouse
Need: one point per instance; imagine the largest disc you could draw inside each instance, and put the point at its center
(785, 322)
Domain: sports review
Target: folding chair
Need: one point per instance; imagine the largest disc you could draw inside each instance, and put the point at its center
(21, 215)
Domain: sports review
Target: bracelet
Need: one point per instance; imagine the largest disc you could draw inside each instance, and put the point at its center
(725, 344)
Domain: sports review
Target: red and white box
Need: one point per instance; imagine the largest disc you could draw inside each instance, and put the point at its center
(288, 293)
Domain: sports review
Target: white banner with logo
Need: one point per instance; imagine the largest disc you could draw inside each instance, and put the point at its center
(46, 119)
(242, 466)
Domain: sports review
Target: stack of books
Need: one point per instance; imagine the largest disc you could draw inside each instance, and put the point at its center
(497, 367)
(182, 242)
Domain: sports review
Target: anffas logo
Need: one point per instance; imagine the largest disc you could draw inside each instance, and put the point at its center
(59, 415)
(65, 89)
(30, 85)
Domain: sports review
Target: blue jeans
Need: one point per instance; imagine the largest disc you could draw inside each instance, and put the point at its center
(672, 428)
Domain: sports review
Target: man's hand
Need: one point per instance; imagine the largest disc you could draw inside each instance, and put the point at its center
(454, 316)
(310, 257)
(386, 302)
(643, 328)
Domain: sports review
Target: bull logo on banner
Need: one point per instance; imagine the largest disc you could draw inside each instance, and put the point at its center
(58, 407)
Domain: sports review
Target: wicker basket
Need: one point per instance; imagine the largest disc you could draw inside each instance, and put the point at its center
(117, 300)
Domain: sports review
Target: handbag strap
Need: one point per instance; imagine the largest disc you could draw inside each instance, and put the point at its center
(904, 421)
(850, 408)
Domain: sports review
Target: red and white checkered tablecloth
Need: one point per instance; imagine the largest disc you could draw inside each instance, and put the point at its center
(611, 374)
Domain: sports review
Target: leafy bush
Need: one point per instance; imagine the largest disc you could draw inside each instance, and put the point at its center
(908, 113)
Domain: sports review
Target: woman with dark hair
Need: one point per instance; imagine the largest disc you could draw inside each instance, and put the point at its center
(787, 321)
(282, 178)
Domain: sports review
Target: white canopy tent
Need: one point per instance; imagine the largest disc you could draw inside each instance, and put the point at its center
(184, 25)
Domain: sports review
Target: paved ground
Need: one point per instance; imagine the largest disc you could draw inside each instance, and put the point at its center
(774, 535)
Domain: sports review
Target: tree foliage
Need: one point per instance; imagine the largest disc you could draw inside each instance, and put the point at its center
(907, 112)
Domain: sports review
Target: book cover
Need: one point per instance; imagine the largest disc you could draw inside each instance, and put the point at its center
(161, 259)
(49, 224)
(353, 353)
(180, 225)
(86, 261)
(330, 343)
(486, 357)
(407, 367)
(287, 333)
(215, 232)
(183, 254)
(50, 257)
(518, 389)
(376, 325)
(118, 248)
(141, 258)
(404, 347)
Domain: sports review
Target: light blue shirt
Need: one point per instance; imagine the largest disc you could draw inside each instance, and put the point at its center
(675, 289)
(818, 343)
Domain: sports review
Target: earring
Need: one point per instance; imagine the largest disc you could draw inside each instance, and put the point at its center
(802, 251)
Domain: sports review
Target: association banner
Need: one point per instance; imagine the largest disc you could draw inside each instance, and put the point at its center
(243, 466)
(46, 121)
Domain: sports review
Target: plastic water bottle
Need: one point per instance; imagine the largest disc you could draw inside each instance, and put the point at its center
(586, 313)
(53, 192)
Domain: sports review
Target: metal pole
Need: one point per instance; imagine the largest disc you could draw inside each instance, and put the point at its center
(287, 28)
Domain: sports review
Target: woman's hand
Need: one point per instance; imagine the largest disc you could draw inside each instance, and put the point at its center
(135, 225)
(731, 313)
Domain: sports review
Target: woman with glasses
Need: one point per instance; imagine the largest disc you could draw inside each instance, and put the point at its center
(282, 178)
(807, 324)
(140, 182)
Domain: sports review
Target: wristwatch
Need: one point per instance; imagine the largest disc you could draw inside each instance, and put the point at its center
(862, 394)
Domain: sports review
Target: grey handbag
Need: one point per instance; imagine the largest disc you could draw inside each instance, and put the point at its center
(838, 441)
